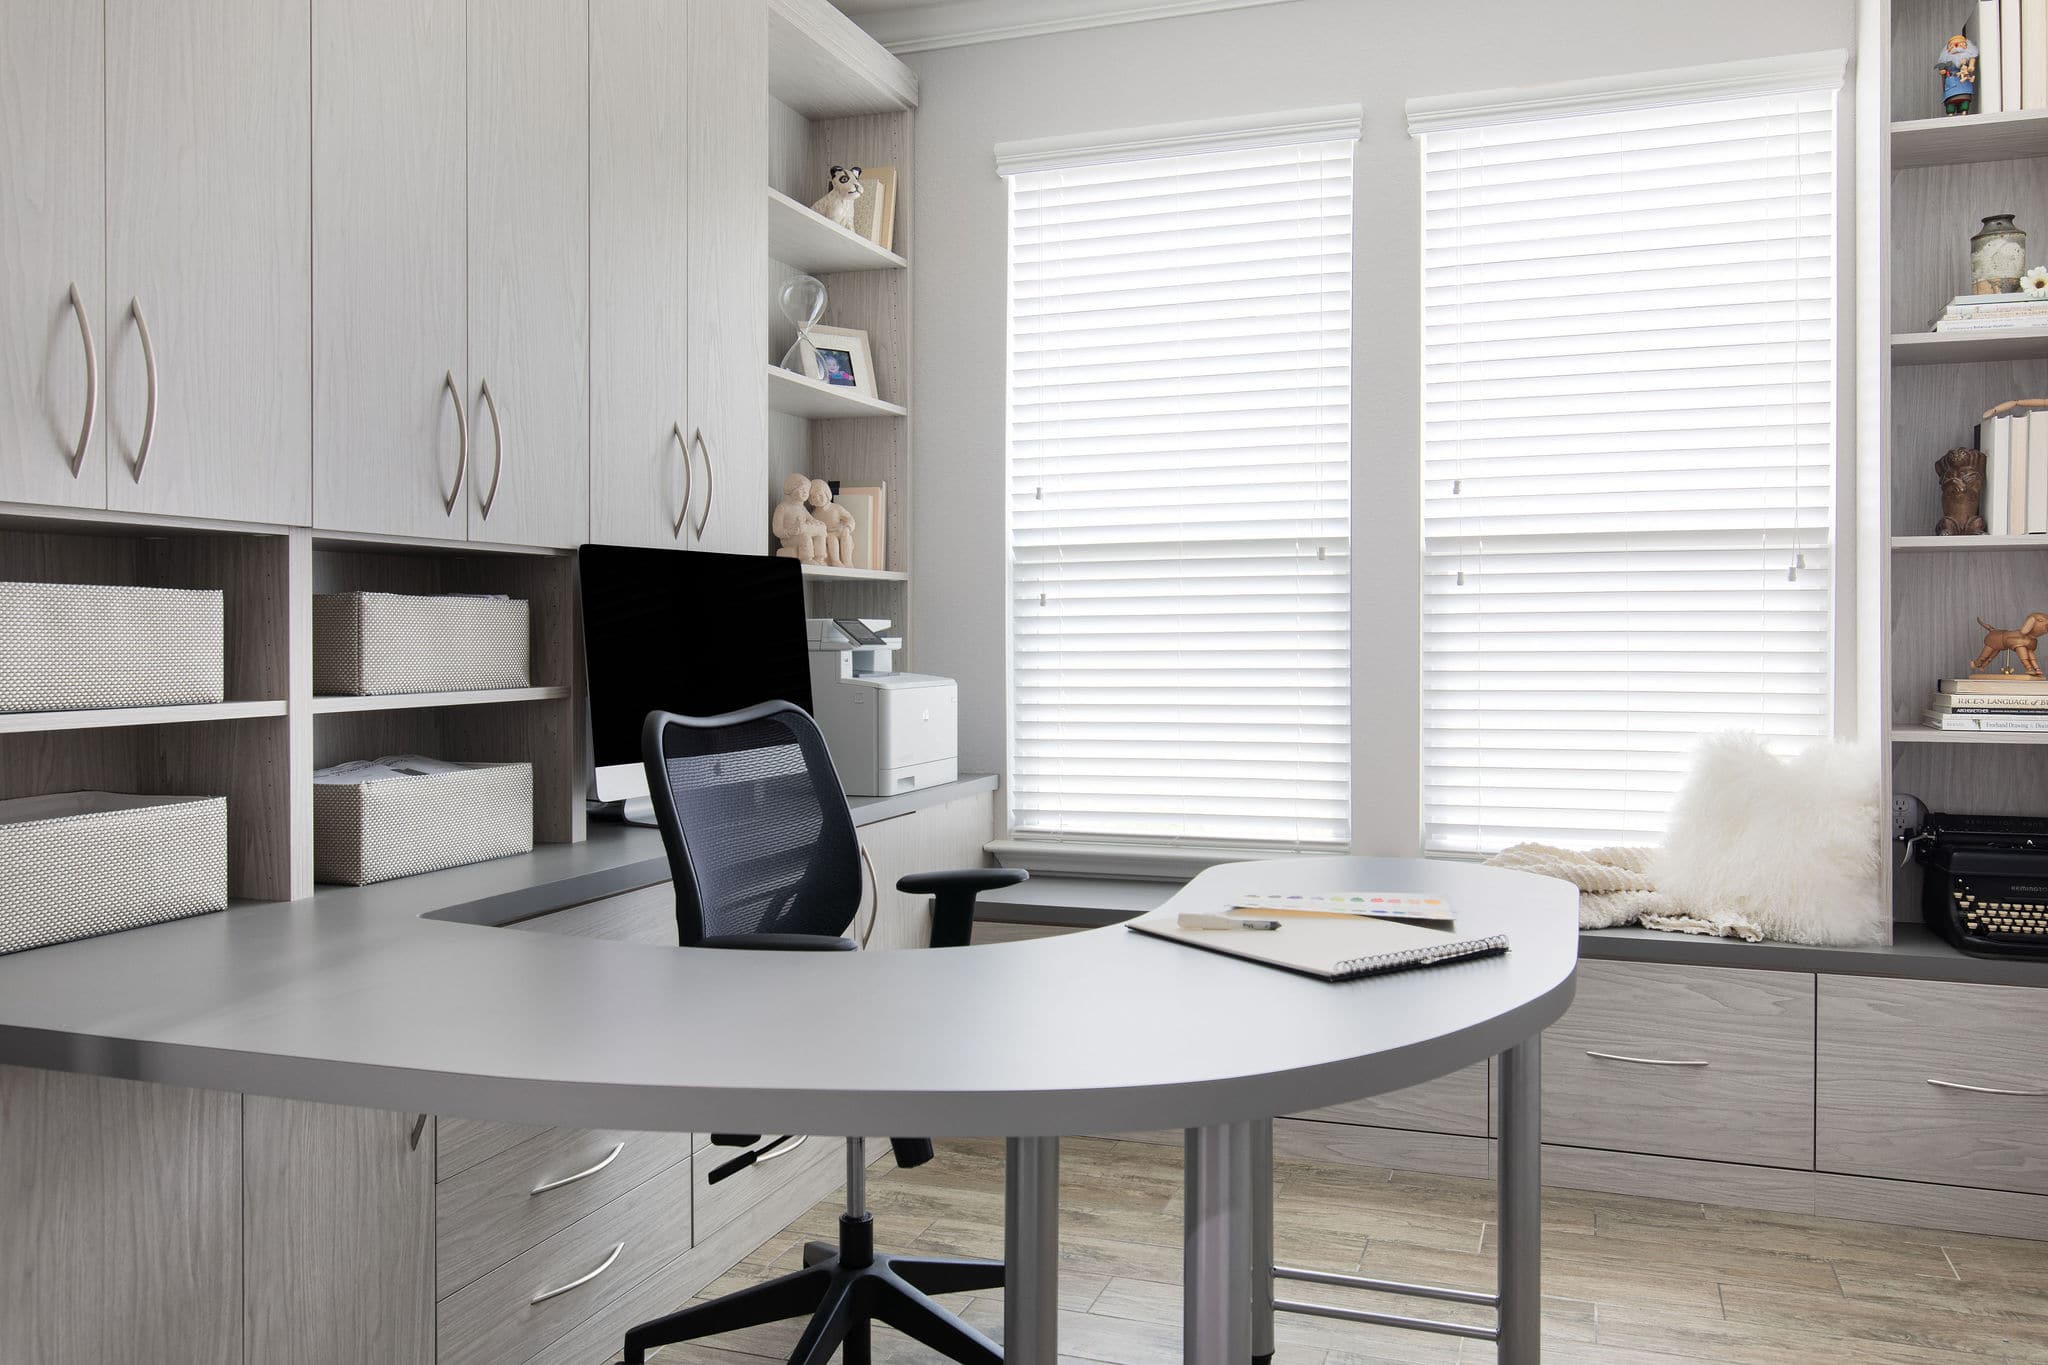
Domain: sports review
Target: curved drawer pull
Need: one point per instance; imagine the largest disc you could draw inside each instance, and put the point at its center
(675, 528)
(462, 459)
(149, 372)
(92, 382)
(580, 1281)
(609, 1158)
(710, 487)
(1642, 1061)
(497, 445)
(778, 1148)
(1988, 1089)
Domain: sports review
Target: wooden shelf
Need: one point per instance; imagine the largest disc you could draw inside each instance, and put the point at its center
(423, 701)
(1974, 137)
(1927, 734)
(1978, 544)
(859, 575)
(823, 65)
(809, 241)
(31, 722)
(1957, 348)
(801, 397)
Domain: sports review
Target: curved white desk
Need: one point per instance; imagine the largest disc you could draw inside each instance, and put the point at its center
(354, 998)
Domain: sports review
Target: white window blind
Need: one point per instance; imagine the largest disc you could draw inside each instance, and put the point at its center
(1180, 414)
(1628, 454)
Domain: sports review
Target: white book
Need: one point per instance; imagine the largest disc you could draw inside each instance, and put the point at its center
(1942, 720)
(2013, 324)
(2037, 475)
(2011, 64)
(1968, 704)
(2034, 54)
(2016, 479)
(1997, 460)
(1989, 96)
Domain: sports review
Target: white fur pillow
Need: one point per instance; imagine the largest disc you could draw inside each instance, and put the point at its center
(1793, 846)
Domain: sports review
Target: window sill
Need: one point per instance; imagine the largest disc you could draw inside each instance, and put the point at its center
(1141, 862)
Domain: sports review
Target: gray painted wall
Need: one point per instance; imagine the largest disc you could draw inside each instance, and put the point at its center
(1263, 60)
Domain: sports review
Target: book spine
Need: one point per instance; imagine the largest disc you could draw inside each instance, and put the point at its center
(2016, 480)
(1997, 464)
(1990, 95)
(2034, 53)
(2011, 62)
(1941, 720)
(1989, 701)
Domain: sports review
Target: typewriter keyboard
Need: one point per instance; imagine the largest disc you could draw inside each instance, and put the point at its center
(2001, 919)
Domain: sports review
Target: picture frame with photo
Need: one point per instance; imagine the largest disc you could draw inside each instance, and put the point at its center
(845, 360)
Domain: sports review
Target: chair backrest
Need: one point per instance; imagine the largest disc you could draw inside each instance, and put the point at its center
(758, 833)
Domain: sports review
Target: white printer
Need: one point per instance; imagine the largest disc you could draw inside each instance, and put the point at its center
(888, 732)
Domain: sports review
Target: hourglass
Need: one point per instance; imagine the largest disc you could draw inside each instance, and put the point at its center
(802, 300)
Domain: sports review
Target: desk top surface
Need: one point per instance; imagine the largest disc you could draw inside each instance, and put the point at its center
(401, 996)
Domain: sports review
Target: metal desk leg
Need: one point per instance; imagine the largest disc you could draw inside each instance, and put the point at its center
(1262, 1242)
(1031, 1251)
(1216, 1314)
(1521, 1204)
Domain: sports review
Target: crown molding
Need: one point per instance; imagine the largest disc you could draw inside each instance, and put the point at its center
(958, 23)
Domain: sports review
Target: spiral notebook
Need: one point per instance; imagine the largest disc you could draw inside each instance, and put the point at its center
(1331, 949)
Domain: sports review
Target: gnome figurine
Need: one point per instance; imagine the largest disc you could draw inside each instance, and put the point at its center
(1958, 68)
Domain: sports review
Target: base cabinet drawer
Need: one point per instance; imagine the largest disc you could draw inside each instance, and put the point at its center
(525, 1305)
(1934, 1081)
(717, 1205)
(1708, 1062)
(522, 1196)
(1450, 1104)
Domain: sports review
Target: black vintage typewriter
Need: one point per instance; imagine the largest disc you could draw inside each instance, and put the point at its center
(1986, 885)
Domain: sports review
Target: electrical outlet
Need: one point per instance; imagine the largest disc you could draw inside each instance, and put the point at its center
(1909, 813)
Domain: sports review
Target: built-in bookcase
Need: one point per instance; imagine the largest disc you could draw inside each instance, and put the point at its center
(1926, 182)
(836, 98)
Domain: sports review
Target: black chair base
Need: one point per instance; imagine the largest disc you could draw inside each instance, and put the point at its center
(844, 1290)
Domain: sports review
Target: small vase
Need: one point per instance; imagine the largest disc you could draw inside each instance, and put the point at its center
(1998, 256)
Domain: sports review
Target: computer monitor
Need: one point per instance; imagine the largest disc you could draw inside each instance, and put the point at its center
(685, 631)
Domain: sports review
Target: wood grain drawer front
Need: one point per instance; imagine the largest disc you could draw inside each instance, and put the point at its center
(461, 1143)
(518, 1309)
(717, 1205)
(1450, 1104)
(1708, 1062)
(1934, 1081)
(517, 1199)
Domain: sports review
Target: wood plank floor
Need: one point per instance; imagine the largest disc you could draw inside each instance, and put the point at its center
(1628, 1281)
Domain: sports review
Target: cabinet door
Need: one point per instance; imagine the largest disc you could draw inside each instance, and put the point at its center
(122, 1205)
(52, 247)
(529, 271)
(639, 272)
(729, 272)
(390, 246)
(209, 248)
(928, 840)
(340, 1234)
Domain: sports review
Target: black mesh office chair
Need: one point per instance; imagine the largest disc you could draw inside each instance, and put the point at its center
(763, 851)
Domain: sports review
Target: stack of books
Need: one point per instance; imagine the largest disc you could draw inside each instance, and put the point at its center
(2012, 54)
(2015, 446)
(2016, 703)
(1993, 312)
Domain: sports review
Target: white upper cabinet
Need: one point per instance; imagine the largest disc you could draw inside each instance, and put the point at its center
(390, 256)
(728, 254)
(529, 272)
(208, 313)
(52, 254)
(644, 484)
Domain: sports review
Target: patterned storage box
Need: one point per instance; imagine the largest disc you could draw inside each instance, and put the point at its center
(397, 826)
(78, 647)
(368, 644)
(83, 863)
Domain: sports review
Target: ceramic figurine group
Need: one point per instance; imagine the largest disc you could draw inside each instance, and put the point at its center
(809, 526)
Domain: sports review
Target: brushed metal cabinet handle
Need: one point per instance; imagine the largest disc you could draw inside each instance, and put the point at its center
(419, 1130)
(778, 1148)
(874, 894)
(580, 1280)
(149, 371)
(497, 447)
(1642, 1061)
(462, 457)
(1987, 1089)
(92, 382)
(710, 488)
(609, 1158)
(683, 508)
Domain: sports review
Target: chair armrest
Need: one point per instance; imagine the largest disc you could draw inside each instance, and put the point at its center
(972, 880)
(781, 943)
(953, 896)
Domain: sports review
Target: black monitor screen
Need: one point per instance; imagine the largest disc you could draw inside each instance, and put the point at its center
(683, 631)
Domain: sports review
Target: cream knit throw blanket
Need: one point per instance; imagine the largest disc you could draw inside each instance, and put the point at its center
(1616, 887)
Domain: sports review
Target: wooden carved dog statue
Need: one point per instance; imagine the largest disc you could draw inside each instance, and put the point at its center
(2021, 642)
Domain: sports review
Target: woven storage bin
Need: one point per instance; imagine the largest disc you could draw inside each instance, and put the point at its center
(77, 647)
(369, 644)
(84, 863)
(397, 826)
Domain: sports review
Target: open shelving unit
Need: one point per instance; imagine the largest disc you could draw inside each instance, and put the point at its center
(1926, 181)
(838, 98)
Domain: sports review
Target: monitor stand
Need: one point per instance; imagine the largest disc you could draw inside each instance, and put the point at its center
(635, 810)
